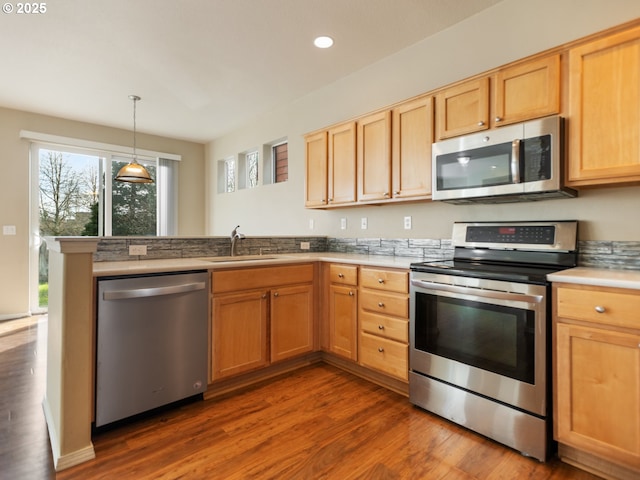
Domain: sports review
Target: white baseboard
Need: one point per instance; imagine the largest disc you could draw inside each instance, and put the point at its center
(60, 462)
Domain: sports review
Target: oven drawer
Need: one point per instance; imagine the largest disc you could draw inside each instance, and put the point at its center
(616, 308)
(388, 280)
(385, 303)
(389, 327)
(343, 274)
(385, 355)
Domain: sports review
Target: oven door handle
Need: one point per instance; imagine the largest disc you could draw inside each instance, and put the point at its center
(479, 292)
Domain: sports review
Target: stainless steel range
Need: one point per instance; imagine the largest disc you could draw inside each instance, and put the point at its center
(480, 330)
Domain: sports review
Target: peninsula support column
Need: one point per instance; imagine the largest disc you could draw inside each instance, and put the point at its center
(68, 394)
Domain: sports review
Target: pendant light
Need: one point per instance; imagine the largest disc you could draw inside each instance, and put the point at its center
(133, 172)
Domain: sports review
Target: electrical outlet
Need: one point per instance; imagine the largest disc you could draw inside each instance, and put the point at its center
(363, 223)
(8, 229)
(407, 223)
(343, 223)
(305, 245)
(137, 249)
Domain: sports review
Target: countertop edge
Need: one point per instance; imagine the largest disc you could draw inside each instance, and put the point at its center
(137, 267)
(600, 277)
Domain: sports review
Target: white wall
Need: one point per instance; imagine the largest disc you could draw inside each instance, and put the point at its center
(508, 31)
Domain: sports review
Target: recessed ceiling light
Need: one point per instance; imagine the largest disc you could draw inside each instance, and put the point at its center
(323, 42)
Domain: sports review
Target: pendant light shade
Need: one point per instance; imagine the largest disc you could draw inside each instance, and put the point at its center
(133, 172)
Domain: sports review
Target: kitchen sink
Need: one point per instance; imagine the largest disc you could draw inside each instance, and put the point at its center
(240, 258)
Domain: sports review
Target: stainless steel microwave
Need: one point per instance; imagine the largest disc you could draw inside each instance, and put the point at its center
(519, 162)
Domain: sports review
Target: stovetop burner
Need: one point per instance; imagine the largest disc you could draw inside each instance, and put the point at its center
(504, 272)
(511, 251)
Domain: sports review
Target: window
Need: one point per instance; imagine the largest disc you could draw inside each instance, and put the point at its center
(276, 162)
(281, 164)
(74, 194)
(230, 175)
(252, 169)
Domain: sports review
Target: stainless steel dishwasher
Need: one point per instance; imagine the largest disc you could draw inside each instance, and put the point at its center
(151, 342)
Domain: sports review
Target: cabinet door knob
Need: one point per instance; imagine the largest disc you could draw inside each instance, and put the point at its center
(600, 309)
(386, 194)
(381, 280)
(481, 123)
(350, 293)
(276, 294)
(380, 327)
(498, 119)
(264, 295)
(380, 349)
(397, 192)
(380, 304)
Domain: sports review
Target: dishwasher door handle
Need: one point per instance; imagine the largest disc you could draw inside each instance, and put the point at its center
(153, 292)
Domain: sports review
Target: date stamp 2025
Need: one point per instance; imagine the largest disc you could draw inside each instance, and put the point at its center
(24, 8)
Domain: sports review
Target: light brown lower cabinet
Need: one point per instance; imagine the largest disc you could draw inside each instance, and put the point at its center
(383, 317)
(597, 377)
(239, 333)
(260, 316)
(343, 310)
(291, 320)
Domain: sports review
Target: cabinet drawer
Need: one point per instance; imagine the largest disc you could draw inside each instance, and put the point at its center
(389, 280)
(388, 327)
(385, 355)
(599, 306)
(261, 277)
(344, 274)
(385, 303)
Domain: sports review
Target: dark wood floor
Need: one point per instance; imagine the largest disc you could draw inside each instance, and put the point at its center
(318, 422)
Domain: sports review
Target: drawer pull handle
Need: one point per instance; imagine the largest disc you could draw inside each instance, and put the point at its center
(350, 293)
(381, 280)
(380, 349)
(380, 304)
(600, 309)
(380, 327)
(341, 275)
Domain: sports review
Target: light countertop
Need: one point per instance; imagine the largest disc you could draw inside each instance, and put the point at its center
(602, 277)
(134, 267)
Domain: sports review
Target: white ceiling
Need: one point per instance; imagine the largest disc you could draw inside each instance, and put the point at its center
(202, 67)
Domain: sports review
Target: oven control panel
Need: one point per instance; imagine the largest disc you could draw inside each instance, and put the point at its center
(544, 234)
(535, 235)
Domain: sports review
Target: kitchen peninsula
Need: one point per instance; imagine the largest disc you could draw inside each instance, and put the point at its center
(68, 402)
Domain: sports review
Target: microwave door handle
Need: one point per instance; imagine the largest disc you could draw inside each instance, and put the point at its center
(515, 161)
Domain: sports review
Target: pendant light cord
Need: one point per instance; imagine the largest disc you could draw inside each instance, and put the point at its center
(135, 99)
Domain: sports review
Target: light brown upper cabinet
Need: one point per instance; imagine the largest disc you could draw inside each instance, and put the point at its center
(316, 170)
(374, 157)
(342, 164)
(604, 110)
(412, 136)
(526, 91)
(520, 92)
(463, 108)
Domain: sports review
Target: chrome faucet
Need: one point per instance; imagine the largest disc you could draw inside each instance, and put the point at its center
(235, 236)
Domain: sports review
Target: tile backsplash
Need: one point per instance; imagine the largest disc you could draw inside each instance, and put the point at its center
(605, 254)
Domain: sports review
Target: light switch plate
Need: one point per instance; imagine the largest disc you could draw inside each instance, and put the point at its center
(407, 223)
(312, 224)
(343, 223)
(363, 223)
